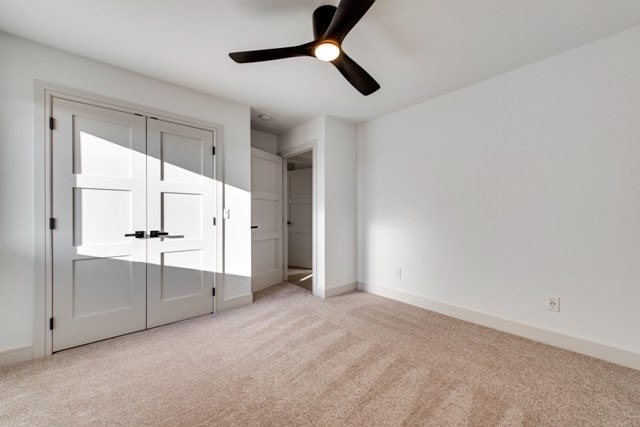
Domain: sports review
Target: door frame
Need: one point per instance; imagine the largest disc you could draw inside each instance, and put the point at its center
(302, 148)
(44, 92)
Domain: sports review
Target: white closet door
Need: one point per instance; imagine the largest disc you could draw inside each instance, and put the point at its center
(300, 187)
(180, 202)
(266, 219)
(98, 196)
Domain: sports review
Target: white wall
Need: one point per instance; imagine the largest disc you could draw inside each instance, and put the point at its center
(518, 187)
(22, 62)
(335, 175)
(313, 130)
(340, 202)
(264, 141)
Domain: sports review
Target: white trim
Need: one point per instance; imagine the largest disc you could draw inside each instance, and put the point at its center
(265, 154)
(595, 349)
(17, 355)
(219, 231)
(235, 302)
(42, 262)
(44, 92)
(285, 223)
(317, 288)
(340, 290)
(81, 96)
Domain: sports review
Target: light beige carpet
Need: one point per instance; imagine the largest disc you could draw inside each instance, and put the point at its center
(293, 359)
(300, 277)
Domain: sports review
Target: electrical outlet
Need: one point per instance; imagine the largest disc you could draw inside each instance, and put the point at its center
(552, 303)
(399, 273)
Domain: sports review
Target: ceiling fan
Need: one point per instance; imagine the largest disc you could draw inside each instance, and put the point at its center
(330, 26)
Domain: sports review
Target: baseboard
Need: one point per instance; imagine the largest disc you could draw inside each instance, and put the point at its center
(339, 290)
(598, 350)
(17, 355)
(235, 302)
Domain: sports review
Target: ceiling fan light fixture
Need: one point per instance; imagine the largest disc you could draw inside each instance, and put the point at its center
(331, 25)
(327, 51)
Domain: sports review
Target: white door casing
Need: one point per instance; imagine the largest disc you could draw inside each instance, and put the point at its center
(180, 201)
(98, 196)
(266, 219)
(300, 214)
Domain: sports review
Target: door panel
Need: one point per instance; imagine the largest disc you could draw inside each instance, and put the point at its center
(180, 202)
(102, 150)
(302, 244)
(101, 285)
(182, 275)
(265, 255)
(300, 218)
(184, 212)
(266, 217)
(98, 196)
(100, 215)
(182, 157)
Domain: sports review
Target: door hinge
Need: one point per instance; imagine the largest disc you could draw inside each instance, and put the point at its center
(52, 223)
(213, 291)
(214, 220)
(52, 123)
(51, 323)
(213, 150)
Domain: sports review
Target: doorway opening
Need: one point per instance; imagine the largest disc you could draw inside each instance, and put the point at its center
(298, 208)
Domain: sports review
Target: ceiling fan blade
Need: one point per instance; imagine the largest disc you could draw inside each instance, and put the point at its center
(271, 54)
(346, 17)
(356, 75)
(322, 18)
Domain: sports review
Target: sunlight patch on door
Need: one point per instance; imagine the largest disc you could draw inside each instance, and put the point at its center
(97, 156)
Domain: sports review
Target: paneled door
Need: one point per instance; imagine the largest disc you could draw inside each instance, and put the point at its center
(266, 219)
(98, 197)
(180, 207)
(133, 242)
(300, 185)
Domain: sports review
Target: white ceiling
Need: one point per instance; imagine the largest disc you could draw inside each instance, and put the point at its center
(416, 49)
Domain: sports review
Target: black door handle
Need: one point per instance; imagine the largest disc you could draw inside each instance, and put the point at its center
(137, 235)
(156, 233)
(289, 223)
(254, 226)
